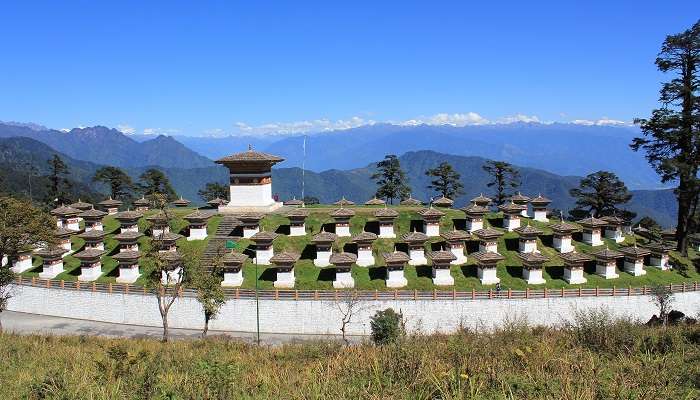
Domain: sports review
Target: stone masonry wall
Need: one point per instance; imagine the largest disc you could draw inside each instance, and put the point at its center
(323, 316)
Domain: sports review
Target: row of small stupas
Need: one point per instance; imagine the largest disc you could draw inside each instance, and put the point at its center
(68, 220)
(454, 246)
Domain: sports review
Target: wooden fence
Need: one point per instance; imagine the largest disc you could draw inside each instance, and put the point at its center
(234, 293)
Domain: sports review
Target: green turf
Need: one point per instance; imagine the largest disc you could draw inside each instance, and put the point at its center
(309, 277)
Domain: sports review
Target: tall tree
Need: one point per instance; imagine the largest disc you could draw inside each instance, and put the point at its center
(504, 177)
(446, 180)
(22, 227)
(599, 194)
(213, 190)
(391, 180)
(671, 136)
(164, 279)
(154, 181)
(59, 185)
(119, 182)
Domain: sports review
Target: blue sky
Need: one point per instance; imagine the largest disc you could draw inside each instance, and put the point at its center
(194, 68)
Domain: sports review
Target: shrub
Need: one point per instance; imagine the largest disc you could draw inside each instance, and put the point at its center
(598, 330)
(387, 326)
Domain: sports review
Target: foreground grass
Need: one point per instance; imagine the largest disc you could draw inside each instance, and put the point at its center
(592, 360)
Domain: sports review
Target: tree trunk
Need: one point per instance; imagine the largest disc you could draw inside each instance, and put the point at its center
(165, 327)
(206, 326)
(684, 208)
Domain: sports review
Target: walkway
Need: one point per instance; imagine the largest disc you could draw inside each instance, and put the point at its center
(28, 324)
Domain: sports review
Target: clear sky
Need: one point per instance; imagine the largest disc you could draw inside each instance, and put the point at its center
(195, 67)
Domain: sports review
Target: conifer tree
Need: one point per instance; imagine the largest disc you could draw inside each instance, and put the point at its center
(446, 180)
(599, 194)
(59, 185)
(119, 182)
(391, 179)
(504, 177)
(671, 135)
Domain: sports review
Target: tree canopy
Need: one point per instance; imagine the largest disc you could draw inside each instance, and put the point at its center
(59, 184)
(504, 177)
(446, 180)
(119, 182)
(671, 135)
(600, 194)
(212, 190)
(154, 181)
(391, 180)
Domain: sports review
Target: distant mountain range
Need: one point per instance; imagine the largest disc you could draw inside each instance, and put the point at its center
(573, 148)
(103, 145)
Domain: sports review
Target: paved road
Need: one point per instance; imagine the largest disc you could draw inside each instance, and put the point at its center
(23, 323)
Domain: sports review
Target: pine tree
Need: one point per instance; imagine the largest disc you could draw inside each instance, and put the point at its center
(446, 180)
(212, 190)
(391, 179)
(504, 177)
(671, 136)
(153, 182)
(120, 184)
(59, 185)
(599, 194)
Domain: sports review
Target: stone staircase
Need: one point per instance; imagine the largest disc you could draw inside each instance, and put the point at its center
(221, 236)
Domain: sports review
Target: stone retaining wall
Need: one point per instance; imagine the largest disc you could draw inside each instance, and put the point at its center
(323, 316)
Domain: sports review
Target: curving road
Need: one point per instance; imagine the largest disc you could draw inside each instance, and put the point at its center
(29, 324)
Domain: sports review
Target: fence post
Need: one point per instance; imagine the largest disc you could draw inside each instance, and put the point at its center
(315, 294)
(545, 292)
(415, 294)
(63, 284)
(77, 285)
(597, 291)
(629, 290)
(490, 293)
(238, 294)
(296, 295)
(126, 288)
(48, 283)
(376, 294)
(94, 287)
(473, 294)
(396, 294)
(109, 287)
(562, 292)
(510, 293)
(644, 289)
(33, 280)
(277, 294)
(527, 292)
(614, 290)
(580, 292)
(434, 294)
(454, 294)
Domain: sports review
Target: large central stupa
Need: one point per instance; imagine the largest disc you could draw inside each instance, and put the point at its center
(250, 180)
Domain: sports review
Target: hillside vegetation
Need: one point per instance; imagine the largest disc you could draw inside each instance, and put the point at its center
(592, 358)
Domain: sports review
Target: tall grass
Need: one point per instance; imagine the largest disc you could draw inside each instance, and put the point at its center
(593, 357)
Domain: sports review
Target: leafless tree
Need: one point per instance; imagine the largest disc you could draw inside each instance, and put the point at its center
(663, 298)
(349, 304)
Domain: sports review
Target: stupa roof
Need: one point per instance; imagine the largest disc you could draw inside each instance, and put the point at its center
(285, 257)
(342, 212)
(294, 202)
(475, 209)
(519, 197)
(65, 211)
(528, 230)
(443, 202)
(344, 202)
(375, 202)
(364, 237)
(298, 213)
(142, 202)
(234, 258)
(430, 212)
(324, 237)
(414, 237)
(607, 254)
(250, 156)
(573, 257)
(540, 200)
(93, 235)
(81, 205)
(129, 255)
(386, 213)
(634, 251)
(343, 258)
(89, 254)
(591, 222)
(128, 236)
(264, 236)
(481, 199)
(563, 227)
(110, 202)
(410, 201)
(441, 255)
(127, 215)
(511, 207)
(181, 202)
(455, 235)
(532, 258)
(197, 216)
(488, 233)
(92, 213)
(395, 257)
(487, 256)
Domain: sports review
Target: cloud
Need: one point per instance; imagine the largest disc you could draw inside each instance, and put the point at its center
(126, 129)
(605, 121)
(520, 118)
(160, 131)
(297, 127)
(457, 119)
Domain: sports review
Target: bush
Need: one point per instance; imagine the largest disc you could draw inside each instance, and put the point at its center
(599, 330)
(387, 326)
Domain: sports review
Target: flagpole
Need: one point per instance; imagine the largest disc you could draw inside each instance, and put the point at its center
(303, 168)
